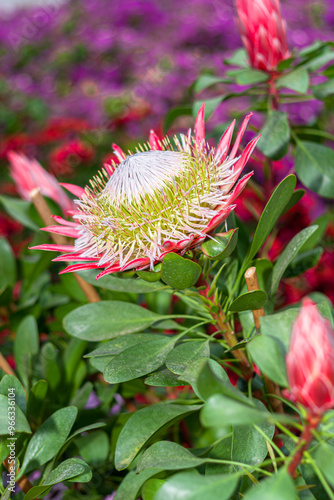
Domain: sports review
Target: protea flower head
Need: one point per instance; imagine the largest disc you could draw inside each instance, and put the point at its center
(168, 196)
(29, 174)
(262, 31)
(310, 361)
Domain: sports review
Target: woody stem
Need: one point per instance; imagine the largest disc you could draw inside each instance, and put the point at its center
(304, 442)
(231, 340)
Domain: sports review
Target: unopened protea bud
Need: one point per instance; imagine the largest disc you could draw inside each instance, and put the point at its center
(262, 31)
(28, 174)
(168, 196)
(310, 361)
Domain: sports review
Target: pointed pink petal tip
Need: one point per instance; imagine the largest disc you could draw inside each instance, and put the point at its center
(199, 124)
(154, 141)
(53, 247)
(72, 188)
(119, 152)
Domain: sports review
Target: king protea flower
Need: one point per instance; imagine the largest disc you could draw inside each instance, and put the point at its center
(262, 31)
(28, 174)
(310, 361)
(168, 196)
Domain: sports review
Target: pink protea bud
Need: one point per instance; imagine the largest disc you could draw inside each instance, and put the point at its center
(262, 31)
(29, 174)
(310, 361)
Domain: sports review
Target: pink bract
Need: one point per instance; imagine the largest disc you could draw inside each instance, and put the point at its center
(310, 361)
(28, 174)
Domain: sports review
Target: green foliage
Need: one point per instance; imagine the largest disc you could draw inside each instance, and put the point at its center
(179, 273)
(275, 138)
(315, 167)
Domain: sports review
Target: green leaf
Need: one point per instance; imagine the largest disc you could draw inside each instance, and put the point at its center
(206, 377)
(164, 378)
(179, 273)
(7, 266)
(36, 400)
(277, 487)
(21, 423)
(108, 319)
(73, 469)
(94, 448)
(118, 345)
(303, 262)
(275, 139)
(143, 425)
(133, 481)
(296, 79)
(221, 246)
(10, 382)
(149, 276)
(131, 285)
(175, 113)
(315, 167)
(210, 105)
(151, 487)
(19, 211)
(26, 347)
(82, 395)
(206, 81)
(248, 76)
(182, 355)
(268, 353)
(50, 366)
(193, 486)
(323, 90)
(272, 212)
(295, 198)
(322, 223)
(86, 428)
(48, 439)
(279, 325)
(138, 360)
(246, 445)
(249, 301)
(238, 58)
(168, 456)
(288, 255)
(324, 457)
(222, 411)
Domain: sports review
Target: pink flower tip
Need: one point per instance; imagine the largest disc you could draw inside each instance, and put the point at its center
(310, 360)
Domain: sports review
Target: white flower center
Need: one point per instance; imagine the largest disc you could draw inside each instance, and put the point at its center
(143, 173)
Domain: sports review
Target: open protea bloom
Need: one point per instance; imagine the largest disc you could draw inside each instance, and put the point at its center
(28, 174)
(167, 197)
(262, 31)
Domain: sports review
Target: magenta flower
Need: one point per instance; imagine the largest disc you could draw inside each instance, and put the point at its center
(168, 196)
(29, 174)
(262, 31)
(310, 361)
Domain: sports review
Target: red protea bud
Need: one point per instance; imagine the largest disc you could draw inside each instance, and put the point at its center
(262, 31)
(310, 361)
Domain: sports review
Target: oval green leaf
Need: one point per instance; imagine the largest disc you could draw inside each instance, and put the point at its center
(275, 139)
(108, 319)
(315, 167)
(221, 246)
(179, 273)
(48, 439)
(143, 425)
(249, 301)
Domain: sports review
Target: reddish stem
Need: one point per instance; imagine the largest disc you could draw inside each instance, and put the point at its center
(304, 442)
